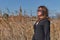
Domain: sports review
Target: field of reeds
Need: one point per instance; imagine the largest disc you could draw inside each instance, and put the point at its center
(22, 29)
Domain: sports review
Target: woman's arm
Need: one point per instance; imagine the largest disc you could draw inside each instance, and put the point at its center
(47, 30)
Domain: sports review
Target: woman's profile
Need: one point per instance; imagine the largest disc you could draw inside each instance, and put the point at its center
(42, 25)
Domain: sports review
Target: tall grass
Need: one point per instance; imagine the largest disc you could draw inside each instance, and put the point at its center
(13, 29)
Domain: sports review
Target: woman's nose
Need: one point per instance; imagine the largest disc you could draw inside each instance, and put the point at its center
(39, 14)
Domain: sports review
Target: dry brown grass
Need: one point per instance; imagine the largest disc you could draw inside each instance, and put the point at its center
(15, 30)
(55, 29)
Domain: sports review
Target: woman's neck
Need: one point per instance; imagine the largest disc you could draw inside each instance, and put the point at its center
(41, 18)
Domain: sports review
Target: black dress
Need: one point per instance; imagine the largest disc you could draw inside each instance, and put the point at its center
(42, 30)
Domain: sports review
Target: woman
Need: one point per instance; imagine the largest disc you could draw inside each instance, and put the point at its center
(42, 25)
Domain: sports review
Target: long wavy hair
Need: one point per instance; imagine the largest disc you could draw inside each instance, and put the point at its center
(44, 8)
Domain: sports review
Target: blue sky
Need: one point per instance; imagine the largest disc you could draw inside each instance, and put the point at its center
(52, 5)
(11, 4)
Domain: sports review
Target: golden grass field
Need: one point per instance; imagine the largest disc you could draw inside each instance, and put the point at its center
(15, 30)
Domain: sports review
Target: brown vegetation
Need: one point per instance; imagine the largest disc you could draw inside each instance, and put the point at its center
(21, 28)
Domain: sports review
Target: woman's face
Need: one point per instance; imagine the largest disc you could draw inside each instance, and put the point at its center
(39, 12)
